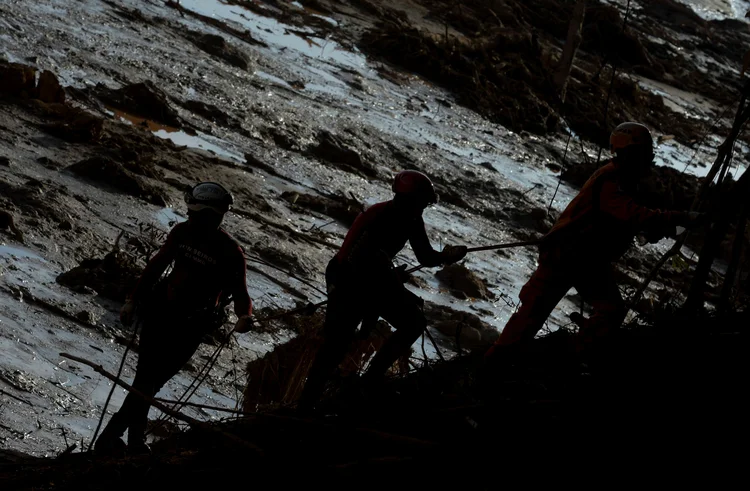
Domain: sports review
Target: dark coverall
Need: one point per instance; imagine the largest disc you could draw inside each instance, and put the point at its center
(595, 229)
(363, 284)
(177, 312)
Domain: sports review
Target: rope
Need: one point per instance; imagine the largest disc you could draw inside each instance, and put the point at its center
(310, 308)
(112, 390)
(559, 179)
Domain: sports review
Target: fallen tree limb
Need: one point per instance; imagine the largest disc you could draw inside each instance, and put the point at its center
(380, 435)
(194, 423)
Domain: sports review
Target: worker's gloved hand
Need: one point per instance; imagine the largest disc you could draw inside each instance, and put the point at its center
(453, 254)
(126, 313)
(401, 273)
(244, 324)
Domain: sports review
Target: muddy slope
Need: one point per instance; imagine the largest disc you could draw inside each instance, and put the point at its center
(136, 100)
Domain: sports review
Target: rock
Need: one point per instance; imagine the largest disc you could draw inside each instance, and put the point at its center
(418, 281)
(49, 88)
(285, 260)
(75, 125)
(281, 139)
(17, 79)
(472, 331)
(538, 214)
(105, 171)
(142, 99)
(208, 111)
(332, 149)
(87, 317)
(5, 162)
(65, 225)
(254, 161)
(112, 277)
(461, 280)
(488, 166)
(217, 46)
(340, 208)
(7, 223)
(49, 163)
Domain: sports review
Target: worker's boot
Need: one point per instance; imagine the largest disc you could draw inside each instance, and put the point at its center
(137, 438)
(109, 443)
(138, 448)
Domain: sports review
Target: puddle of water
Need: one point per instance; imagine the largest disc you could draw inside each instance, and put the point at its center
(177, 136)
(315, 13)
(13, 251)
(719, 9)
(138, 121)
(278, 34)
(181, 138)
(273, 78)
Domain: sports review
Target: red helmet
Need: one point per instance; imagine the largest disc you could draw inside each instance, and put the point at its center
(415, 185)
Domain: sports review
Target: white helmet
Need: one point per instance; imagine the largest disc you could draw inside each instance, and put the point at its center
(209, 195)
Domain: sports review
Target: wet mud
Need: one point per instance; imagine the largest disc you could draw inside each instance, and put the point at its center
(141, 100)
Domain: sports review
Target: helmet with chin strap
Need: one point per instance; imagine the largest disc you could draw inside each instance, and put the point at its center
(209, 196)
(630, 134)
(415, 186)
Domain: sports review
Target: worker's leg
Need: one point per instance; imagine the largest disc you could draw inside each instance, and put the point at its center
(164, 349)
(403, 310)
(343, 315)
(539, 296)
(173, 354)
(598, 287)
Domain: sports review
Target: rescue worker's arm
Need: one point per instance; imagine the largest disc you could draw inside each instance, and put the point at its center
(156, 266)
(243, 305)
(151, 274)
(429, 257)
(623, 207)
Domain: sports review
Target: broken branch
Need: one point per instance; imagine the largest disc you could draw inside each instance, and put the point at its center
(194, 423)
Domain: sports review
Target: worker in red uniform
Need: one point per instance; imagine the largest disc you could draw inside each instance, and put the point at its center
(595, 229)
(177, 311)
(363, 284)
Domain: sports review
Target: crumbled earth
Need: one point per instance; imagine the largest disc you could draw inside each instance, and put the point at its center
(109, 111)
(463, 282)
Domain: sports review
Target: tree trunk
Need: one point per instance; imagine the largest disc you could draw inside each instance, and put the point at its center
(565, 64)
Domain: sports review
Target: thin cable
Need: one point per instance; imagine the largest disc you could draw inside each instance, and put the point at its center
(559, 179)
(612, 83)
(112, 390)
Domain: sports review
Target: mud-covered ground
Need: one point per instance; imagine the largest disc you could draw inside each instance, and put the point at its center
(278, 103)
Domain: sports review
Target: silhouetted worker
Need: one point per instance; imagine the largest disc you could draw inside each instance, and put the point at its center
(177, 311)
(595, 229)
(363, 284)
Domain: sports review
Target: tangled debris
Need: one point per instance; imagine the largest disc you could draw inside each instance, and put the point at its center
(501, 65)
(114, 276)
(412, 427)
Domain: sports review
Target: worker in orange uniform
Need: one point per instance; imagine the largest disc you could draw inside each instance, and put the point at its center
(595, 229)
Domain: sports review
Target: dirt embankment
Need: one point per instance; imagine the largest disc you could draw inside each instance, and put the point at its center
(502, 60)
